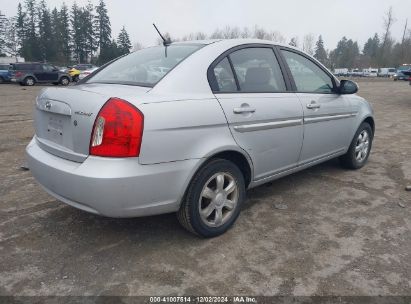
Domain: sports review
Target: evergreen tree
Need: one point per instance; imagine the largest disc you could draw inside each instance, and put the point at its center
(31, 44)
(55, 30)
(88, 30)
(46, 40)
(320, 52)
(123, 42)
(103, 31)
(78, 36)
(346, 54)
(371, 46)
(21, 30)
(64, 37)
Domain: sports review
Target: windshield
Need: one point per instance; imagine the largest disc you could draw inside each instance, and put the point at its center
(145, 67)
(404, 68)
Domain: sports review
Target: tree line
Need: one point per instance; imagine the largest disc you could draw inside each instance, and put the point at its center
(62, 35)
(83, 34)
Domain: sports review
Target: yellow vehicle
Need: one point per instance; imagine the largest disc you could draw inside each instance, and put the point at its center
(76, 70)
(74, 73)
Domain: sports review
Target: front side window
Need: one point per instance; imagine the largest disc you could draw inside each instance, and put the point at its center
(47, 68)
(145, 67)
(308, 76)
(257, 70)
(224, 76)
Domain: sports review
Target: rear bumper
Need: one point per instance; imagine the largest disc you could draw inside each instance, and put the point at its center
(111, 187)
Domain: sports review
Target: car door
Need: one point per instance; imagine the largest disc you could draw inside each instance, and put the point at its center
(264, 117)
(38, 72)
(50, 73)
(328, 116)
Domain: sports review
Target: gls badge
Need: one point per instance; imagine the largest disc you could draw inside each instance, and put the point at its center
(83, 113)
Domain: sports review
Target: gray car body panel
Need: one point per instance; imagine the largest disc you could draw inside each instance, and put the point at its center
(185, 124)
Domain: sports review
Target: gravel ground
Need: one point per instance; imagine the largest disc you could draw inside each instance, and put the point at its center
(323, 231)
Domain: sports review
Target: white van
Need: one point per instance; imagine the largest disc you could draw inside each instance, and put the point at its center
(387, 72)
(370, 72)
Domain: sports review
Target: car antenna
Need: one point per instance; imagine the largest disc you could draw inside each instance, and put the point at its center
(166, 41)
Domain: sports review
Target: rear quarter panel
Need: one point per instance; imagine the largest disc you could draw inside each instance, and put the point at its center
(184, 129)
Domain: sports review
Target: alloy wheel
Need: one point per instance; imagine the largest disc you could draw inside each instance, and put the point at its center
(362, 146)
(218, 199)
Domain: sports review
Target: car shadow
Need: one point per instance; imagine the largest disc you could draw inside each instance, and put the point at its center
(166, 226)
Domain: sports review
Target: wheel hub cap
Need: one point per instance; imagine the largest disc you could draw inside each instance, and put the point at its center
(362, 146)
(218, 199)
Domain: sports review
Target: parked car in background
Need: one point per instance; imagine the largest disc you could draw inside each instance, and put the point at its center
(370, 72)
(356, 73)
(5, 73)
(76, 70)
(341, 72)
(400, 76)
(30, 73)
(123, 143)
(85, 73)
(387, 72)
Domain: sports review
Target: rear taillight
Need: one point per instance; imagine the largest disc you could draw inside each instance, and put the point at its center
(118, 130)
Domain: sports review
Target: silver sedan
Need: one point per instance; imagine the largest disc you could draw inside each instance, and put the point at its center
(187, 128)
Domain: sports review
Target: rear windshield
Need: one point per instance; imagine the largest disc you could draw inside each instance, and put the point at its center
(145, 67)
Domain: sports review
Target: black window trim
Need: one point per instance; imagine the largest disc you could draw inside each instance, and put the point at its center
(212, 81)
(293, 85)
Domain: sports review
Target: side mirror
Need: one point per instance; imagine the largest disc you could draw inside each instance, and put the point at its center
(348, 87)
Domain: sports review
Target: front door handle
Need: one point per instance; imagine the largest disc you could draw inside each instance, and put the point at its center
(313, 105)
(243, 110)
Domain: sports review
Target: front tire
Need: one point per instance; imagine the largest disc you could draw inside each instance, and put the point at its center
(64, 81)
(213, 199)
(360, 148)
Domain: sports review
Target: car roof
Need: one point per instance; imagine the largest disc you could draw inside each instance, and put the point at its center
(236, 41)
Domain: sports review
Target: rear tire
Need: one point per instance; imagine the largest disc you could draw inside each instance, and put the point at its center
(360, 148)
(29, 81)
(64, 81)
(213, 199)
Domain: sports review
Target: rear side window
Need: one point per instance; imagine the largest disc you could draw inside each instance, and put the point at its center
(308, 76)
(145, 67)
(224, 76)
(257, 70)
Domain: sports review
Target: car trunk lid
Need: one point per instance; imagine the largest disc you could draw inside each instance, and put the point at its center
(64, 117)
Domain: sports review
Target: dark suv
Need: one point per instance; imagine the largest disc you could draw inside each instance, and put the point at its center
(29, 73)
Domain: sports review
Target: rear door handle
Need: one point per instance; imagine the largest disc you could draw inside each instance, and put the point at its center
(243, 110)
(313, 105)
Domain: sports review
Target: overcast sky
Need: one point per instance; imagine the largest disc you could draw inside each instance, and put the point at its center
(356, 19)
